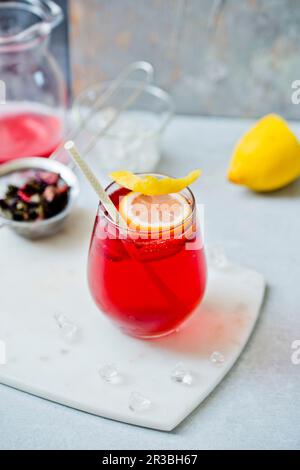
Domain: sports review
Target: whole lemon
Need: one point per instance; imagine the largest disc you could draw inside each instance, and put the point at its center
(267, 157)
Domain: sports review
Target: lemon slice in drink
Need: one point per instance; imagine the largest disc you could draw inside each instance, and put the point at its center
(154, 213)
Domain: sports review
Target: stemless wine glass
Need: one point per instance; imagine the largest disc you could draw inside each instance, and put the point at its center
(147, 283)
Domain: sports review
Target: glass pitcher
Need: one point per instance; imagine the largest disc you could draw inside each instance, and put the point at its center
(32, 87)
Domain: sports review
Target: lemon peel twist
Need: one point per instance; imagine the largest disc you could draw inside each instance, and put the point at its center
(151, 185)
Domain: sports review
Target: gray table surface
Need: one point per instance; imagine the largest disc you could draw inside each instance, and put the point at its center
(258, 403)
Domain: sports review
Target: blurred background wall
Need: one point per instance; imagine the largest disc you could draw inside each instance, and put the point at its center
(216, 57)
(60, 43)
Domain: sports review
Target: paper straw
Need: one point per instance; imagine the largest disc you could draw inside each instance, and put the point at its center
(86, 170)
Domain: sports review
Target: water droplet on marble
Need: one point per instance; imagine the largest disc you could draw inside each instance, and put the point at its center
(217, 257)
(68, 329)
(182, 375)
(217, 358)
(138, 402)
(109, 373)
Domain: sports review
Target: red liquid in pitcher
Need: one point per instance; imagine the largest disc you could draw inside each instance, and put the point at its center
(148, 287)
(25, 133)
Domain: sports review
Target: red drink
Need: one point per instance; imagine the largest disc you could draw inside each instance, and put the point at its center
(148, 285)
(25, 133)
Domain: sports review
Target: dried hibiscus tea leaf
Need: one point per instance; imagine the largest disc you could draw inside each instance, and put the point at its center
(22, 194)
(11, 191)
(44, 195)
(49, 193)
(49, 178)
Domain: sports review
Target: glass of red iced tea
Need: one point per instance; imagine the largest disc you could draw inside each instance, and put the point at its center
(150, 277)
